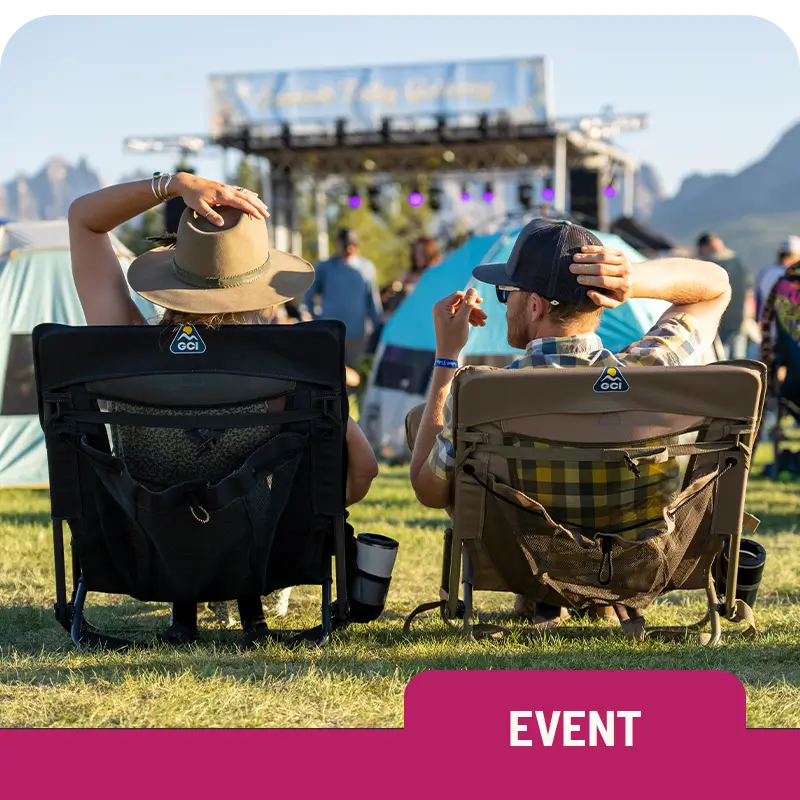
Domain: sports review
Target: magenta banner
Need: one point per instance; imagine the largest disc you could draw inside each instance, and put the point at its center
(467, 734)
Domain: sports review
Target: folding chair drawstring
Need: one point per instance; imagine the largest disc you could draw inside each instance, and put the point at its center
(200, 508)
(607, 547)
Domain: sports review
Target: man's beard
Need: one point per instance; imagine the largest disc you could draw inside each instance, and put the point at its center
(517, 335)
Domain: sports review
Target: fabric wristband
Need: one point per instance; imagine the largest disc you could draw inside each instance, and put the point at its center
(445, 362)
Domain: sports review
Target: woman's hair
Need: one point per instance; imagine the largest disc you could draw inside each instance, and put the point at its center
(263, 316)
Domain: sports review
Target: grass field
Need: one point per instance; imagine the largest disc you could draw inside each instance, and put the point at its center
(358, 681)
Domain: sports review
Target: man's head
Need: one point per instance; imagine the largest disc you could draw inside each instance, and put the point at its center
(789, 253)
(543, 296)
(709, 244)
(347, 243)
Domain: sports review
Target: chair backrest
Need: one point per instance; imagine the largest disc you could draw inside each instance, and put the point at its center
(561, 471)
(284, 385)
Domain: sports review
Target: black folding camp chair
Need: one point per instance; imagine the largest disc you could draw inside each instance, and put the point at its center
(277, 520)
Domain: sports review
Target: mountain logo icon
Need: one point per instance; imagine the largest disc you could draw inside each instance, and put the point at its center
(611, 381)
(187, 340)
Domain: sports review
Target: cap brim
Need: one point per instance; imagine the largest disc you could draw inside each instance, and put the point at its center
(494, 274)
(151, 276)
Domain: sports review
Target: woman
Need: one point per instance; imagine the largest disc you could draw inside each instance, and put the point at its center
(209, 299)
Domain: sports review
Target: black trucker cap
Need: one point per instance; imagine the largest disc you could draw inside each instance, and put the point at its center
(540, 261)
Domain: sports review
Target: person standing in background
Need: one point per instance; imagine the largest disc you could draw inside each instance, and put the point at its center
(425, 253)
(347, 287)
(740, 313)
(788, 256)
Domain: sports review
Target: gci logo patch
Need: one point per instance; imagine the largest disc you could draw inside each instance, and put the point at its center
(187, 340)
(611, 381)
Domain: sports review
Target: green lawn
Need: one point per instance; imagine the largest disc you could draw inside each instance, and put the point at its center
(359, 679)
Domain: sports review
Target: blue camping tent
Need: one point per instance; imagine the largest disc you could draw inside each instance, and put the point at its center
(35, 286)
(404, 357)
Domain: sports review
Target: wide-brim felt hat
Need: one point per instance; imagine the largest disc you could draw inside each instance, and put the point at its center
(219, 269)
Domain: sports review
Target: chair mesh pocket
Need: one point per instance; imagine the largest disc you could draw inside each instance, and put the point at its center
(634, 572)
(203, 546)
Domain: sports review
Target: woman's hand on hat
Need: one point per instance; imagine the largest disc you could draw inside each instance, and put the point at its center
(452, 317)
(202, 195)
(605, 273)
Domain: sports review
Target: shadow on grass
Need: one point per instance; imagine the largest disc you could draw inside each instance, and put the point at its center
(40, 518)
(372, 651)
(777, 522)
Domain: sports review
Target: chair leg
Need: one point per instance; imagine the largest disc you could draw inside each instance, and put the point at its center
(77, 615)
(713, 612)
(61, 607)
(327, 625)
(466, 586)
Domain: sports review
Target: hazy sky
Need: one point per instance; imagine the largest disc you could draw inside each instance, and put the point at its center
(719, 90)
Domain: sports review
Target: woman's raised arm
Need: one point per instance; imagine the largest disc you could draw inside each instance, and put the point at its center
(101, 285)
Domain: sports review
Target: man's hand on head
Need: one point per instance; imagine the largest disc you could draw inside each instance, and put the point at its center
(606, 274)
(452, 317)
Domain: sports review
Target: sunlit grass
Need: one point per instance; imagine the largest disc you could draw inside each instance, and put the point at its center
(359, 680)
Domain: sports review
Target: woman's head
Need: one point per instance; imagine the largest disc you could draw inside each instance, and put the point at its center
(209, 270)
(264, 316)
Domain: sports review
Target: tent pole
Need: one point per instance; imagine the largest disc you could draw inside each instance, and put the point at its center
(560, 175)
(628, 191)
(321, 209)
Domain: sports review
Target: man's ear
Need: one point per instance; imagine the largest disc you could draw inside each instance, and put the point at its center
(538, 307)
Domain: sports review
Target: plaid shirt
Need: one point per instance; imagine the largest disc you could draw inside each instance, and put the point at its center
(599, 496)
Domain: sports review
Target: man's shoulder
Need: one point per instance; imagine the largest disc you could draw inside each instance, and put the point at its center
(364, 264)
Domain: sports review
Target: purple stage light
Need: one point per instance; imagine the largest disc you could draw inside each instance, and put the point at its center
(488, 197)
(548, 195)
(610, 192)
(465, 197)
(415, 199)
(354, 201)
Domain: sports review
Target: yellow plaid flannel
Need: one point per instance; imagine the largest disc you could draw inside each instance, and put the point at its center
(598, 496)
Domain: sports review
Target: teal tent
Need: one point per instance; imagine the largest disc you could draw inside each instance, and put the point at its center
(35, 286)
(404, 357)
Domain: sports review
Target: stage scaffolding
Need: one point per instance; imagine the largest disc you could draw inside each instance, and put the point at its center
(267, 117)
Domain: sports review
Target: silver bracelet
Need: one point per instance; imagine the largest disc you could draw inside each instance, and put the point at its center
(153, 185)
(166, 187)
(160, 193)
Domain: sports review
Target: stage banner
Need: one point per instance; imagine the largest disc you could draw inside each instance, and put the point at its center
(305, 99)
(599, 734)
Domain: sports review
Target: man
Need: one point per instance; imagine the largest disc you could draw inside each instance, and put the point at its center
(788, 256)
(347, 286)
(556, 283)
(740, 311)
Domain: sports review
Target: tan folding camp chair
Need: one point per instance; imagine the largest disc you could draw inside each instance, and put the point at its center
(701, 419)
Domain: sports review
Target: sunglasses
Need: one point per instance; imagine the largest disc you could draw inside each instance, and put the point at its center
(503, 292)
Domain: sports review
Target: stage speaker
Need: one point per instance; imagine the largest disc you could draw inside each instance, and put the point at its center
(584, 194)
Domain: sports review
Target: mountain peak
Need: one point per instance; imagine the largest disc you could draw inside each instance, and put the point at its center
(48, 193)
